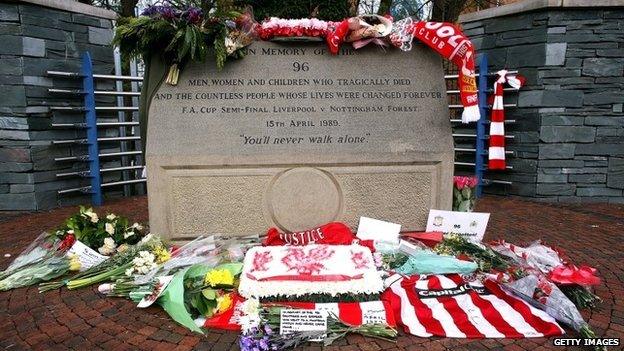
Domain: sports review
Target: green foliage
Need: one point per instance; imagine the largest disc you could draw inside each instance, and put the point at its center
(92, 232)
(202, 299)
(143, 35)
(178, 42)
(464, 200)
(486, 258)
(581, 296)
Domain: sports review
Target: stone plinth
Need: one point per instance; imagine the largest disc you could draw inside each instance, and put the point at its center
(293, 137)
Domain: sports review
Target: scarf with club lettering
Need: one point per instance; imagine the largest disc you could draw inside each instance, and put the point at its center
(449, 41)
(334, 233)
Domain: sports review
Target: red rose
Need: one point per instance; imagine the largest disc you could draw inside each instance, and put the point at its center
(67, 242)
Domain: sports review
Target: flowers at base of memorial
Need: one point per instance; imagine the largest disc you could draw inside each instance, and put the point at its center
(575, 282)
(209, 291)
(45, 246)
(197, 296)
(132, 258)
(196, 286)
(50, 267)
(65, 249)
(105, 234)
(261, 328)
(139, 258)
(486, 258)
(464, 193)
(209, 251)
(537, 290)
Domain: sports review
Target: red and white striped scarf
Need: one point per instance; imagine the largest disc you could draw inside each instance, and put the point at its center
(497, 122)
(449, 306)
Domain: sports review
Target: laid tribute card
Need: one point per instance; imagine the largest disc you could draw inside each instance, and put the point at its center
(470, 225)
(299, 320)
(374, 229)
(86, 255)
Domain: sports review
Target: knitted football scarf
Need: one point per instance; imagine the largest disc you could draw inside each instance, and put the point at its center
(497, 124)
(449, 41)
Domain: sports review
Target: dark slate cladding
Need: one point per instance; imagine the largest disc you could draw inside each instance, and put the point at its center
(573, 149)
(36, 39)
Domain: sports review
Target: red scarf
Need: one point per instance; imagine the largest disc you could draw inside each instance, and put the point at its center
(449, 41)
(334, 233)
(496, 152)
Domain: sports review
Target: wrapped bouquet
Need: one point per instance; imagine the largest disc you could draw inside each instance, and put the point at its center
(84, 239)
(464, 193)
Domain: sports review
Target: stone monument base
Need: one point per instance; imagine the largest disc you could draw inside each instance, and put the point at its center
(242, 201)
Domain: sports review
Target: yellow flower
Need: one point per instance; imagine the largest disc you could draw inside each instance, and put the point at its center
(219, 277)
(162, 254)
(224, 303)
(74, 263)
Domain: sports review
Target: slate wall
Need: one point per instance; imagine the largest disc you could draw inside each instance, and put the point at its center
(570, 131)
(34, 39)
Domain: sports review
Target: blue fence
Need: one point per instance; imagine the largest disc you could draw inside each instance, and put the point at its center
(129, 156)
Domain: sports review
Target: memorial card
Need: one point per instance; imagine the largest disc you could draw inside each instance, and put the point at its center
(470, 225)
(374, 229)
(296, 320)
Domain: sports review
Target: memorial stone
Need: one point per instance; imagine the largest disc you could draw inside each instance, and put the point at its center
(293, 137)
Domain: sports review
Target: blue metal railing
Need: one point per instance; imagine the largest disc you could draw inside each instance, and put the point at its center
(90, 125)
(481, 153)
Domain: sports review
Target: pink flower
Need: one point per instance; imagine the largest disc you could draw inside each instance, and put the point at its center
(465, 181)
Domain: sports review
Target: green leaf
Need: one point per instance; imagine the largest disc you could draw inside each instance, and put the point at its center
(186, 44)
(464, 206)
(196, 271)
(466, 192)
(209, 294)
(457, 194)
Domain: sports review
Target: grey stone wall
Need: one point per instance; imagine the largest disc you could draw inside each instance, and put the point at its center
(570, 131)
(34, 39)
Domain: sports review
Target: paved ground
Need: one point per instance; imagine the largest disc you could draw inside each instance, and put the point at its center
(61, 320)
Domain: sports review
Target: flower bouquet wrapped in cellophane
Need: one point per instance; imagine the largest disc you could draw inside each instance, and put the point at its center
(575, 282)
(44, 245)
(200, 292)
(71, 247)
(209, 251)
(116, 266)
(540, 292)
(44, 259)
